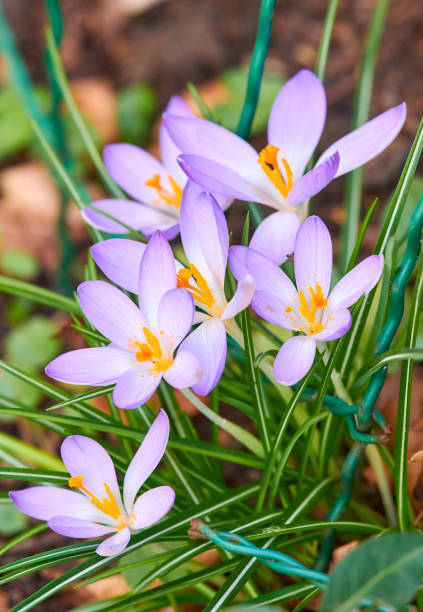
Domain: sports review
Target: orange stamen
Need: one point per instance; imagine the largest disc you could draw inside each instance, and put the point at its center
(151, 351)
(202, 293)
(269, 164)
(108, 504)
(309, 311)
(173, 198)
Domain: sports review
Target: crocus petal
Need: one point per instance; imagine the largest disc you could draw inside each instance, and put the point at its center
(208, 343)
(168, 149)
(367, 141)
(131, 167)
(204, 234)
(337, 325)
(275, 236)
(313, 255)
(45, 502)
(297, 118)
(241, 299)
(266, 274)
(115, 544)
(294, 359)
(120, 259)
(77, 528)
(216, 178)
(110, 311)
(157, 276)
(272, 309)
(151, 506)
(185, 370)
(146, 459)
(175, 316)
(91, 366)
(361, 279)
(314, 181)
(87, 458)
(134, 388)
(145, 218)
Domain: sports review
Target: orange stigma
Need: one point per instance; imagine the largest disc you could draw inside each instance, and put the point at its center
(173, 198)
(108, 504)
(151, 351)
(309, 310)
(269, 164)
(202, 293)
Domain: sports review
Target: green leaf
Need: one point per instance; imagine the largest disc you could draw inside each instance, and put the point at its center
(386, 570)
(20, 264)
(12, 520)
(15, 129)
(33, 343)
(137, 108)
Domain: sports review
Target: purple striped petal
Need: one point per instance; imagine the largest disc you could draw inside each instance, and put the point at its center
(297, 118)
(241, 299)
(120, 259)
(361, 279)
(367, 141)
(275, 236)
(151, 506)
(168, 149)
(134, 388)
(337, 325)
(77, 528)
(110, 311)
(115, 544)
(146, 459)
(294, 359)
(204, 235)
(87, 458)
(314, 181)
(175, 316)
(185, 370)
(145, 218)
(273, 309)
(157, 276)
(91, 366)
(208, 343)
(313, 256)
(216, 178)
(131, 167)
(45, 502)
(267, 275)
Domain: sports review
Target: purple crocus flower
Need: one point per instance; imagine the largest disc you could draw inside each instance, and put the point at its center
(205, 238)
(143, 340)
(223, 163)
(310, 308)
(156, 188)
(97, 509)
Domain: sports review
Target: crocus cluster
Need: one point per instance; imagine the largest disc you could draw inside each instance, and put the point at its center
(178, 331)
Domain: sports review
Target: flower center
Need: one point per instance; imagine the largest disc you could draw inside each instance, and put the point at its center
(173, 198)
(309, 310)
(269, 164)
(202, 293)
(152, 351)
(108, 504)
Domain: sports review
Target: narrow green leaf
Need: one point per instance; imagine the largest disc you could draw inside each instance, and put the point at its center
(39, 295)
(385, 358)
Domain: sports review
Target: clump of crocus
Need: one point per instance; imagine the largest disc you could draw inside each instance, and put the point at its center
(205, 238)
(142, 340)
(310, 308)
(94, 507)
(156, 187)
(223, 163)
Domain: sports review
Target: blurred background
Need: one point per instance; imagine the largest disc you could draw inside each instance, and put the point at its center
(124, 59)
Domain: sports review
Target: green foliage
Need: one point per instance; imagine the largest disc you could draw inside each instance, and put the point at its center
(386, 571)
(20, 264)
(137, 110)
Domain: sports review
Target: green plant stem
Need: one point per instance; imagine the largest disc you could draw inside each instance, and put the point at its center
(322, 53)
(404, 404)
(354, 180)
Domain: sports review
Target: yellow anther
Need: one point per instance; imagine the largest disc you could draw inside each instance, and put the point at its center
(151, 350)
(202, 293)
(309, 310)
(269, 164)
(173, 198)
(108, 504)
